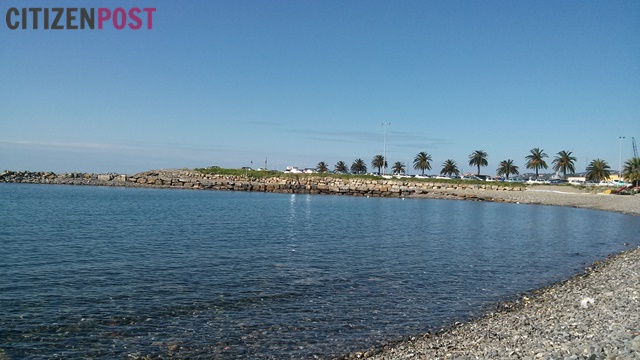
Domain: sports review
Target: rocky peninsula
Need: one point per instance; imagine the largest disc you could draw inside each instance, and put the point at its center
(594, 315)
(281, 183)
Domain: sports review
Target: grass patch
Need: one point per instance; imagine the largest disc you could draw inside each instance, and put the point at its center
(237, 172)
(276, 174)
(262, 174)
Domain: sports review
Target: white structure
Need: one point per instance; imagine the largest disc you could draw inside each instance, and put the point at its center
(293, 170)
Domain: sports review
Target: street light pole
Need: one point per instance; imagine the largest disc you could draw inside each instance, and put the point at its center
(620, 168)
(384, 147)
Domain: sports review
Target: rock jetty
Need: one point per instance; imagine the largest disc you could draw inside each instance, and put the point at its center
(298, 184)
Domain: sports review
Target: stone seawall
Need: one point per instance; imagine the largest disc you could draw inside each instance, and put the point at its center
(298, 184)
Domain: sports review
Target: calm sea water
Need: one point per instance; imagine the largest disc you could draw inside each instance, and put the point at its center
(91, 272)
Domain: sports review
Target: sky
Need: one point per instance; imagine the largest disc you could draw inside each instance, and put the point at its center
(236, 83)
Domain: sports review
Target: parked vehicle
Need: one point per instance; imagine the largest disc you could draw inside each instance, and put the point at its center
(605, 183)
(618, 183)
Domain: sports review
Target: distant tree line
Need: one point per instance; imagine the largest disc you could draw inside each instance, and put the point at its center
(564, 162)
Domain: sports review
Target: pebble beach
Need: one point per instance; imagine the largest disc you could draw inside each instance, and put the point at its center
(593, 315)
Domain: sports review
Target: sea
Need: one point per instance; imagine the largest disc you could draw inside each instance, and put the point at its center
(133, 273)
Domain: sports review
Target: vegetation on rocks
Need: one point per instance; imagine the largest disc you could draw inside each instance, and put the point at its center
(478, 158)
(449, 168)
(564, 162)
(422, 162)
(598, 170)
(535, 160)
(398, 168)
(358, 166)
(507, 167)
(379, 162)
(631, 170)
(260, 174)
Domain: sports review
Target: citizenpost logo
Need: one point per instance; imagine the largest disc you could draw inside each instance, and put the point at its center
(78, 18)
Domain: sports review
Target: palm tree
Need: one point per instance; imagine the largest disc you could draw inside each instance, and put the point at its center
(598, 170)
(631, 170)
(478, 158)
(358, 166)
(341, 167)
(322, 167)
(422, 161)
(564, 161)
(378, 162)
(536, 160)
(449, 167)
(507, 168)
(398, 168)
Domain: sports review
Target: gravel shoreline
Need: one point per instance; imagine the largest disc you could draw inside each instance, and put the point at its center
(593, 315)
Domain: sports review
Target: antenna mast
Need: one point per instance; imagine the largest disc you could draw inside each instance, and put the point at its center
(635, 148)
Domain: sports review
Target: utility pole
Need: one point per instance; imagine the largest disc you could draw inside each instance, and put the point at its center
(384, 147)
(620, 168)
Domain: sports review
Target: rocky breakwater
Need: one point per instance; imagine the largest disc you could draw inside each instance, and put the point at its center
(40, 177)
(293, 184)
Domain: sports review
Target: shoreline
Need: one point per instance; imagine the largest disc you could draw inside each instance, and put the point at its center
(592, 315)
(563, 195)
(550, 195)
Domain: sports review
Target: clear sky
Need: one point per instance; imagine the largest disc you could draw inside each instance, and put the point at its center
(232, 83)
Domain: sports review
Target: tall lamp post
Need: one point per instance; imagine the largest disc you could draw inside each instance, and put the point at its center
(384, 147)
(620, 168)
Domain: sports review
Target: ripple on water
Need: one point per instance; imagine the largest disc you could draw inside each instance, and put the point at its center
(106, 272)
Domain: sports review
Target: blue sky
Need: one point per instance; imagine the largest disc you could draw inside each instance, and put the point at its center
(232, 83)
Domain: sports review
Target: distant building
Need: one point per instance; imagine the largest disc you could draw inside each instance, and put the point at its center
(293, 170)
(576, 178)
